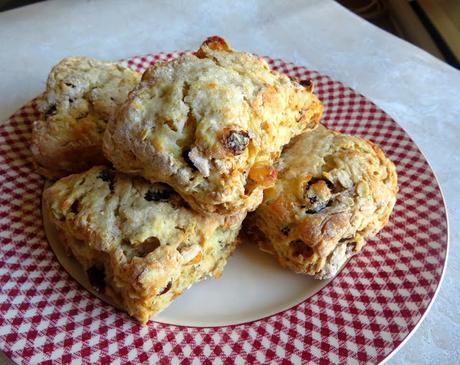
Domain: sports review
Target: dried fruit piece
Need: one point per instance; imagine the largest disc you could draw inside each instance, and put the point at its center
(74, 207)
(263, 173)
(96, 277)
(317, 195)
(216, 43)
(307, 84)
(285, 230)
(107, 175)
(236, 141)
(166, 288)
(51, 110)
(162, 195)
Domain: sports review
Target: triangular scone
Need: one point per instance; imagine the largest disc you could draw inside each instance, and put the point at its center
(333, 191)
(81, 95)
(211, 125)
(140, 243)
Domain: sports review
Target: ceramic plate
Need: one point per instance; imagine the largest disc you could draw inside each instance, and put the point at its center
(257, 312)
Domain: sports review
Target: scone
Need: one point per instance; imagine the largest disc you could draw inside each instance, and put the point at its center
(333, 191)
(81, 96)
(139, 242)
(211, 126)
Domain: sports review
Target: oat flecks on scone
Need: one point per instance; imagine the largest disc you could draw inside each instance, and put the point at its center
(139, 242)
(81, 95)
(211, 125)
(333, 191)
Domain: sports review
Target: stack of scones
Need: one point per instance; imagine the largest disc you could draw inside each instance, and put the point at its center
(157, 171)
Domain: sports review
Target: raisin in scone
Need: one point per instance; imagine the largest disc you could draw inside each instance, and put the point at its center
(81, 96)
(139, 242)
(211, 125)
(333, 191)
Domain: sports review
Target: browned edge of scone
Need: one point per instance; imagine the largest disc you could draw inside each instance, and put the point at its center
(70, 159)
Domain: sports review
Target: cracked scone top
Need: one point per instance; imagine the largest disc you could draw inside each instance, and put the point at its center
(210, 125)
(81, 95)
(333, 191)
(139, 242)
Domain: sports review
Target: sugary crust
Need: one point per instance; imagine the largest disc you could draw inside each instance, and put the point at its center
(141, 239)
(210, 125)
(81, 96)
(333, 191)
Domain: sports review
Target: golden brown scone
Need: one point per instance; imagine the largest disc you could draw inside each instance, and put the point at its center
(211, 125)
(81, 95)
(333, 191)
(139, 242)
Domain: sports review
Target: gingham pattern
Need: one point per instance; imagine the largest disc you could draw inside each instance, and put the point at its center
(362, 316)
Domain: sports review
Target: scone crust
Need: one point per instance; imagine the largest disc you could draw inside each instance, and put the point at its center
(211, 125)
(333, 191)
(143, 238)
(82, 94)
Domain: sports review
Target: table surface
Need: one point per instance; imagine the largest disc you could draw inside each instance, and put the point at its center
(419, 91)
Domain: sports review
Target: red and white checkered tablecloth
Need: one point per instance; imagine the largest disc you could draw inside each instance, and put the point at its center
(360, 317)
